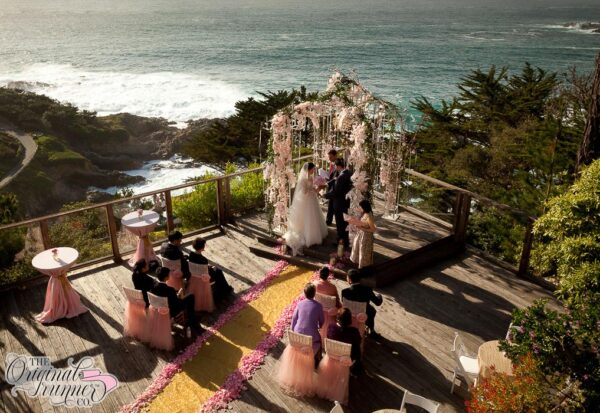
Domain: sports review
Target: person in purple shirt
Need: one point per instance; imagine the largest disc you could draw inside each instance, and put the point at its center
(308, 318)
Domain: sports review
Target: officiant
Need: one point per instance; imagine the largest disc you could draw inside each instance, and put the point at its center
(337, 195)
(333, 173)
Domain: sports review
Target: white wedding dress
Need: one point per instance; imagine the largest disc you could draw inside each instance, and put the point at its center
(306, 223)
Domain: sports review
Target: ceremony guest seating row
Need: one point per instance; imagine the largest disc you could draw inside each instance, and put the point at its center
(297, 376)
(359, 317)
(152, 325)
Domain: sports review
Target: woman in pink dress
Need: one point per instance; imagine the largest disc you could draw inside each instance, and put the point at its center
(326, 287)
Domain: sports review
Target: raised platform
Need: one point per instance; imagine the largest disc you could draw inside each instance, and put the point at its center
(420, 314)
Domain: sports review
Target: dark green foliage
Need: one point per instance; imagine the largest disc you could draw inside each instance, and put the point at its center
(38, 113)
(85, 231)
(11, 240)
(238, 136)
(11, 153)
(509, 137)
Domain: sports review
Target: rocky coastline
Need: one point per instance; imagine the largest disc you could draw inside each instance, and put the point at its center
(65, 166)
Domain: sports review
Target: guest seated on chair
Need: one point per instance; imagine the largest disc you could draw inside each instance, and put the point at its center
(172, 251)
(344, 332)
(177, 301)
(141, 280)
(308, 318)
(363, 294)
(220, 288)
(326, 287)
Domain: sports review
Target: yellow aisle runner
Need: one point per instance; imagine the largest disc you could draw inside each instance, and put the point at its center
(220, 355)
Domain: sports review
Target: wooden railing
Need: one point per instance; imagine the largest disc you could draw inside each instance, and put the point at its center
(523, 267)
(222, 200)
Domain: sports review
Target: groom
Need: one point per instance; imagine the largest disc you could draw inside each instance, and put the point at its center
(337, 195)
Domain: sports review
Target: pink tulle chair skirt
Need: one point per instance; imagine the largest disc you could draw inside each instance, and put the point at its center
(61, 302)
(332, 379)
(159, 328)
(199, 285)
(329, 316)
(175, 280)
(136, 322)
(296, 373)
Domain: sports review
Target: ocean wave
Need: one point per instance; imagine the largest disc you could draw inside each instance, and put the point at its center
(578, 27)
(178, 97)
(481, 36)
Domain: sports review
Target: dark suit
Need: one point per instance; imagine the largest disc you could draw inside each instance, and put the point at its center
(173, 253)
(176, 304)
(142, 281)
(337, 195)
(220, 287)
(364, 294)
(330, 185)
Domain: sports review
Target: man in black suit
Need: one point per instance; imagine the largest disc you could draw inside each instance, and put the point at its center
(141, 280)
(337, 195)
(177, 301)
(220, 287)
(172, 251)
(363, 294)
(333, 173)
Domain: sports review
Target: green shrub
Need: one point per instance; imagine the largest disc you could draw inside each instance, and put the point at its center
(198, 208)
(85, 231)
(247, 191)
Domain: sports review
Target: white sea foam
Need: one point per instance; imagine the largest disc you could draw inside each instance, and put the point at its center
(572, 27)
(164, 173)
(178, 97)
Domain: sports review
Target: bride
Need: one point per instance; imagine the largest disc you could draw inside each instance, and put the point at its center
(306, 224)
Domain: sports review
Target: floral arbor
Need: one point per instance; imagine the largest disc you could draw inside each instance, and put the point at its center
(369, 131)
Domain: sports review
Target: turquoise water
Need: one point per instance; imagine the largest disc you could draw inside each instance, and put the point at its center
(190, 59)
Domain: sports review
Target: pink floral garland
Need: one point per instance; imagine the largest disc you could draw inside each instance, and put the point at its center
(175, 366)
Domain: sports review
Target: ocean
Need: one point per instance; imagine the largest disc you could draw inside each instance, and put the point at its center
(187, 59)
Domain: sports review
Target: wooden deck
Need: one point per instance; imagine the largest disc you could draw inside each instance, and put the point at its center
(418, 319)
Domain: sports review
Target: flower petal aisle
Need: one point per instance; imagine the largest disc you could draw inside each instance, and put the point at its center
(213, 376)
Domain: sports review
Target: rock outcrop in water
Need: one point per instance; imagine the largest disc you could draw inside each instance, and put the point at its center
(593, 27)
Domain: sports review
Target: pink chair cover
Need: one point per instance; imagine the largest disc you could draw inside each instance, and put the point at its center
(175, 279)
(159, 328)
(333, 376)
(296, 370)
(136, 322)
(61, 300)
(199, 285)
(329, 314)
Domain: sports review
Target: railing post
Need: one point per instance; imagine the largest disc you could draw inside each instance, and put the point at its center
(527, 244)
(169, 206)
(220, 203)
(462, 207)
(226, 199)
(45, 236)
(112, 230)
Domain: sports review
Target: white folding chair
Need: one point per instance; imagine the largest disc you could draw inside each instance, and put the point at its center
(422, 402)
(466, 363)
(327, 301)
(355, 307)
(198, 269)
(299, 340)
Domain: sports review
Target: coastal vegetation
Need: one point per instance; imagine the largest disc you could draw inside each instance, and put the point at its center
(556, 353)
(11, 153)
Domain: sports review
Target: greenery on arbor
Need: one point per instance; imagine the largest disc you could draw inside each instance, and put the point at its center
(562, 345)
(512, 137)
(239, 135)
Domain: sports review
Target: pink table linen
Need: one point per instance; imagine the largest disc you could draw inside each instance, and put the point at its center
(141, 225)
(61, 299)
